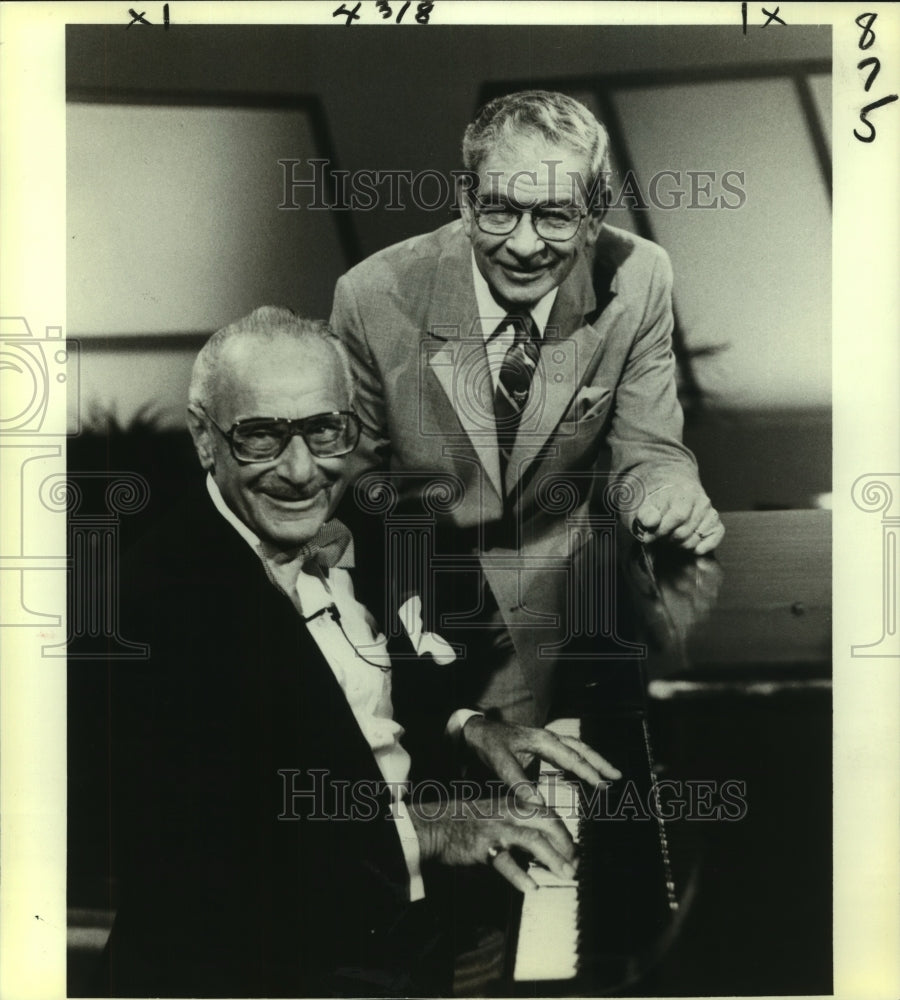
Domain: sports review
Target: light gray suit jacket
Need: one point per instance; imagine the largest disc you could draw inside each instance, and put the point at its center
(606, 376)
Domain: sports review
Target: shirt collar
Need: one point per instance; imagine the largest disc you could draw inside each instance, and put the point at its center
(490, 310)
(229, 515)
(347, 560)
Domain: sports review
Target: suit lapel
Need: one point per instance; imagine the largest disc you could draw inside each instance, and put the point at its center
(571, 340)
(459, 359)
(578, 325)
(283, 663)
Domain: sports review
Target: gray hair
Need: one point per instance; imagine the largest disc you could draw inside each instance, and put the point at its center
(266, 324)
(554, 117)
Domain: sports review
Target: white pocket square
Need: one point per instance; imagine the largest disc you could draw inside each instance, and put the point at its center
(410, 615)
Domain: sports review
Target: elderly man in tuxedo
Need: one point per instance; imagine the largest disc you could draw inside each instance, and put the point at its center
(496, 358)
(265, 837)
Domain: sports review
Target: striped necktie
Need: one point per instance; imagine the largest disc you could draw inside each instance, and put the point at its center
(514, 383)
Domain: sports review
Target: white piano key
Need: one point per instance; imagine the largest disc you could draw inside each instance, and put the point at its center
(548, 931)
(548, 935)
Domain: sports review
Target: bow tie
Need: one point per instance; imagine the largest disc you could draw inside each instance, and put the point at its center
(317, 556)
(328, 545)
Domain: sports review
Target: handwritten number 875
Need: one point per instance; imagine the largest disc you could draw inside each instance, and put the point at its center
(866, 39)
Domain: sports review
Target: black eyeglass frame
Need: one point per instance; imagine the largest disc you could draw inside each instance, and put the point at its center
(479, 207)
(293, 428)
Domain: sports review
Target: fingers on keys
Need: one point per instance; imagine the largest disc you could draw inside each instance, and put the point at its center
(545, 840)
(573, 755)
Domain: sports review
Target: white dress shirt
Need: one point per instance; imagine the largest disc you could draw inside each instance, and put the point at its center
(366, 686)
(491, 315)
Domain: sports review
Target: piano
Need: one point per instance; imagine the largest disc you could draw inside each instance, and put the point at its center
(602, 930)
(753, 621)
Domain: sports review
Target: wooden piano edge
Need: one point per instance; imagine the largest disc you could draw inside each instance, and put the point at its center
(669, 689)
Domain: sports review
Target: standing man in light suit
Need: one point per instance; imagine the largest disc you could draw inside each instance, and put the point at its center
(504, 351)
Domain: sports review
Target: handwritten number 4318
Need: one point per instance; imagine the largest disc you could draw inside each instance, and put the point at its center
(866, 40)
(423, 11)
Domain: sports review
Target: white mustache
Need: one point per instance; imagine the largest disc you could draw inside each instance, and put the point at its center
(526, 268)
(308, 493)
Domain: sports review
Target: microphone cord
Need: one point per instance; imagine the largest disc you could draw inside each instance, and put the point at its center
(332, 610)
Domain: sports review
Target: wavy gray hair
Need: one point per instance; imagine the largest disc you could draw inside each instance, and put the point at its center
(552, 116)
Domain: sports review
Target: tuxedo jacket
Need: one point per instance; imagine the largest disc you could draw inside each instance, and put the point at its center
(605, 379)
(252, 833)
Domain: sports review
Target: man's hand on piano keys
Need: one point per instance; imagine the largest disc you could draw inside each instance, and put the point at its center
(484, 831)
(507, 749)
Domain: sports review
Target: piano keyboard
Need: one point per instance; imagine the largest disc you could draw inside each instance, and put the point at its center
(602, 922)
(548, 927)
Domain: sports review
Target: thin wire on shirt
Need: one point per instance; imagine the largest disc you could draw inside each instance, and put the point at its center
(332, 610)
